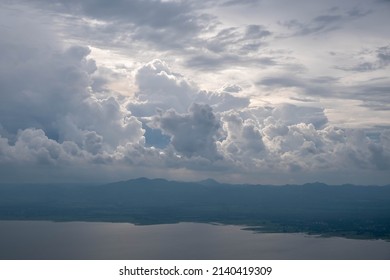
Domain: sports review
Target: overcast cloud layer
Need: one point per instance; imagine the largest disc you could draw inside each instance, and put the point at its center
(239, 91)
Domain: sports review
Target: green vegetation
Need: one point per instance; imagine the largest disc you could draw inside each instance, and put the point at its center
(347, 211)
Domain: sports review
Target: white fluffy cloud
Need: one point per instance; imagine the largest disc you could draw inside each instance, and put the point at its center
(160, 88)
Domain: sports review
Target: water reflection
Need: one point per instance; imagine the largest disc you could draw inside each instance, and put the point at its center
(88, 240)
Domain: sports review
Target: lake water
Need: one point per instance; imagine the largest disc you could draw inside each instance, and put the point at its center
(90, 240)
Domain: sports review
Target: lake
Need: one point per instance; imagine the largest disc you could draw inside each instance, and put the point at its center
(97, 240)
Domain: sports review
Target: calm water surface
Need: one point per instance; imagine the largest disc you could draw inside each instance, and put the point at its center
(87, 240)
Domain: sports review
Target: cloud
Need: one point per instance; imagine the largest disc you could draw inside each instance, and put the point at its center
(61, 117)
(164, 24)
(240, 2)
(223, 100)
(381, 151)
(46, 94)
(380, 61)
(283, 138)
(373, 94)
(282, 132)
(159, 87)
(233, 38)
(281, 82)
(232, 46)
(194, 133)
(243, 143)
(39, 80)
(313, 87)
(208, 62)
(291, 114)
(33, 146)
(323, 23)
(154, 13)
(107, 118)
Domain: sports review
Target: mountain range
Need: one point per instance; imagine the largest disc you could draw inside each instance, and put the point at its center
(347, 210)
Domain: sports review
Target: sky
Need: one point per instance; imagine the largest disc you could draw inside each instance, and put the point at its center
(250, 91)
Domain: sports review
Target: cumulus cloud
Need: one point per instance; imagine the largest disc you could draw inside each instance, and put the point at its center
(292, 114)
(47, 105)
(40, 83)
(381, 151)
(33, 146)
(194, 133)
(262, 139)
(243, 144)
(224, 99)
(159, 87)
